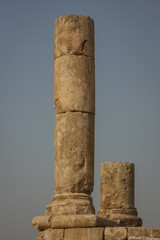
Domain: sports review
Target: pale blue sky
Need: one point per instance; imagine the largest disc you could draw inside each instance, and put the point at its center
(127, 51)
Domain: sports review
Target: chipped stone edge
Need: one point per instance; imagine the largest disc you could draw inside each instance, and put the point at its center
(71, 221)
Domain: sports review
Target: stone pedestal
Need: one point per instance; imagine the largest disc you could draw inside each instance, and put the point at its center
(99, 233)
(117, 193)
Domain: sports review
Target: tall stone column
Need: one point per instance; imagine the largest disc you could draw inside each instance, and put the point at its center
(117, 193)
(74, 101)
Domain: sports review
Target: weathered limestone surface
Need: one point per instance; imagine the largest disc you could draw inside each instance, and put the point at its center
(51, 234)
(41, 222)
(84, 234)
(143, 233)
(124, 217)
(71, 221)
(117, 193)
(71, 234)
(74, 34)
(74, 101)
(117, 185)
(131, 233)
(74, 153)
(74, 84)
(100, 233)
(117, 233)
(68, 204)
(80, 221)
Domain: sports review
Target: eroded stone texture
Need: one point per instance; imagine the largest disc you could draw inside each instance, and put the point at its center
(74, 34)
(80, 221)
(117, 185)
(132, 233)
(84, 234)
(51, 234)
(71, 221)
(117, 193)
(41, 222)
(124, 217)
(74, 84)
(74, 153)
(143, 233)
(74, 100)
(69, 204)
(117, 233)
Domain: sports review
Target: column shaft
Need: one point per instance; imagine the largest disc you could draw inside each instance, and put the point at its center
(117, 193)
(74, 100)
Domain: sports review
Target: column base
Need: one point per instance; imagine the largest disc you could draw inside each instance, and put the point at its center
(73, 210)
(70, 204)
(124, 217)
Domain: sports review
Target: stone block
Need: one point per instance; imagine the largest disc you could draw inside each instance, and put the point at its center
(74, 84)
(74, 34)
(143, 233)
(71, 221)
(51, 234)
(41, 222)
(84, 234)
(74, 153)
(80, 221)
(116, 233)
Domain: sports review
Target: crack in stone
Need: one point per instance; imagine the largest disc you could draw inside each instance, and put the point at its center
(63, 233)
(75, 111)
(84, 44)
(74, 54)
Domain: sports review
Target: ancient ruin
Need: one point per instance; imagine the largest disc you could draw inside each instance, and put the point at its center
(117, 193)
(71, 215)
